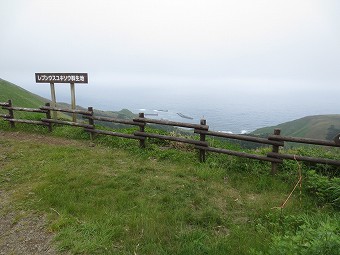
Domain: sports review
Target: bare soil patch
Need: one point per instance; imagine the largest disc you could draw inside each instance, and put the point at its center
(23, 232)
(36, 138)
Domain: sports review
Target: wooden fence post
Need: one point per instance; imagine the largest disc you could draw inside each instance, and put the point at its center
(11, 113)
(337, 139)
(275, 150)
(73, 101)
(54, 101)
(142, 129)
(48, 116)
(91, 122)
(202, 138)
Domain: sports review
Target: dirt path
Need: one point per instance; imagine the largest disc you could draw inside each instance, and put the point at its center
(36, 138)
(23, 232)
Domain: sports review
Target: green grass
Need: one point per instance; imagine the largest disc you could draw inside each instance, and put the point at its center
(116, 198)
(19, 96)
(111, 197)
(23, 98)
(319, 127)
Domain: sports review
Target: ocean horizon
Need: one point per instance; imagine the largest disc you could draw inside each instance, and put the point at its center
(233, 109)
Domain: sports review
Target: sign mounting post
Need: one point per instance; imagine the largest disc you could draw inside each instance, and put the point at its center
(53, 98)
(73, 101)
(70, 78)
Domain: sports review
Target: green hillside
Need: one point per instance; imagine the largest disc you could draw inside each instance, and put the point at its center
(318, 126)
(61, 193)
(19, 96)
(23, 98)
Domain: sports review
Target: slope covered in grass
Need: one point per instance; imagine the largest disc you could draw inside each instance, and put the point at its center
(108, 196)
(23, 98)
(318, 126)
(19, 96)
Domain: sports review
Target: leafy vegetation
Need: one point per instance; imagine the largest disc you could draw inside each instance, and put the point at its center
(108, 196)
(318, 127)
(302, 234)
(19, 95)
(23, 98)
(115, 198)
(325, 190)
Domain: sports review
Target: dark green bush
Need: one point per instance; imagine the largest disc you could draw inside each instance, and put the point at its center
(325, 190)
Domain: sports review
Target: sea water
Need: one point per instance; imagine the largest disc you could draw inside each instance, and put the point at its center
(234, 109)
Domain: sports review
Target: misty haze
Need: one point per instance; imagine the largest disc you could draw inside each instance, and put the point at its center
(240, 65)
(170, 127)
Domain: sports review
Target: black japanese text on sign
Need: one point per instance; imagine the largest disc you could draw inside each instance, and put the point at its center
(61, 78)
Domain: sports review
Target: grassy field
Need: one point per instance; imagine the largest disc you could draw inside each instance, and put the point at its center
(110, 197)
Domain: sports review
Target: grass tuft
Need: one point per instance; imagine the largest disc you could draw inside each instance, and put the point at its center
(111, 197)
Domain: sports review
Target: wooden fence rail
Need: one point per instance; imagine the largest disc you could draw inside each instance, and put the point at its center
(172, 138)
(66, 110)
(240, 137)
(4, 116)
(240, 154)
(303, 140)
(24, 109)
(171, 123)
(114, 120)
(4, 104)
(304, 158)
(202, 145)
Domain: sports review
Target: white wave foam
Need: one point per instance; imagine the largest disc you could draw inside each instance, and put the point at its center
(226, 132)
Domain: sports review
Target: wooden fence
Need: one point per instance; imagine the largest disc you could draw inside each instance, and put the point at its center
(201, 129)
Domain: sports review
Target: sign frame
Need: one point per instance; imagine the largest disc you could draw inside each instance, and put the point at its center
(61, 78)
(70, 78)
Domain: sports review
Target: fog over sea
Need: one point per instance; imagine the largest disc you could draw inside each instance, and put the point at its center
(241, 65)
(239, 108)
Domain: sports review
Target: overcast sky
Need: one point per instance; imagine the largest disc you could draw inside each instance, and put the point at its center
(264, 43)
